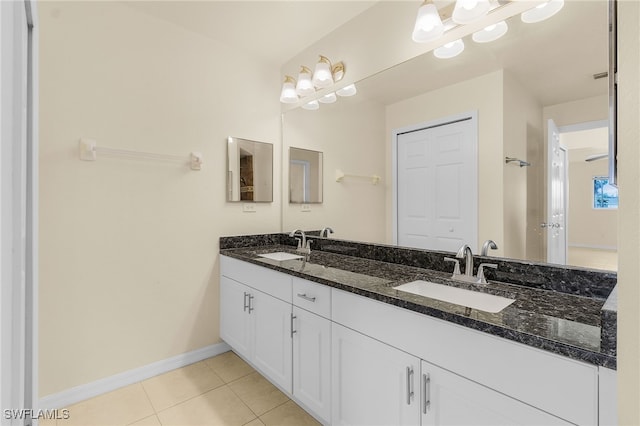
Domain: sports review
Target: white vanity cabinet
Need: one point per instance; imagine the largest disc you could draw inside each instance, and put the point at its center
(449, 399)
(373, 383)
(254, 323)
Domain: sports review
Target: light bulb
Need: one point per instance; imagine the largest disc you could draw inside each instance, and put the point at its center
(288, 94)
(449, 50)
(490, 33)
(349, 90)
(311, 106)
(542, 11)
(467, 11)
(322, 74)
(304, 87)
(328, 99)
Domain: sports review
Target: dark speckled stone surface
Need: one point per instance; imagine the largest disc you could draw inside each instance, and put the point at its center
(558, 309)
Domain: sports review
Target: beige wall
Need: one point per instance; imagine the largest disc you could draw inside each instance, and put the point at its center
(522, 185)
(589, 227)
(128, 248)
(629, 212)
(350, 134)
(484, 95)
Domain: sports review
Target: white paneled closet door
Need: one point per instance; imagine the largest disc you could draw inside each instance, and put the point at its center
(437, 186)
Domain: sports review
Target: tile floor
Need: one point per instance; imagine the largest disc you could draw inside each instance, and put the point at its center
(223, 390)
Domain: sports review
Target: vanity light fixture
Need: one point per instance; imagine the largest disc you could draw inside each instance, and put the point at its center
(328, 98)
(304, 86)
(449, 50)
(542, 11)
(349, 90)
(467, 11)
(288, 94)
(490, 33)
(325, 75)
(428, 24)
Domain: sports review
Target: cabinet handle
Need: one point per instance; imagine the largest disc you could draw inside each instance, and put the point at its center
(246, 305)
(292, 330)
(250, 302)
(409, 384)
(305, 297)
(426, 391)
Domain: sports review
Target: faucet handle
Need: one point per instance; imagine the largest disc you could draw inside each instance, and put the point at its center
(456, 268)
(309, 244)
(481, 278)
(299, 242)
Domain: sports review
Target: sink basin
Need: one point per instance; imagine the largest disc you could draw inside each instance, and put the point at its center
(472, 299)
(280, 255)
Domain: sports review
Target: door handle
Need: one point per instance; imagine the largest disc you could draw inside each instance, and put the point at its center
(292, 330)
(426, 391)
(409, 384)
(250, 302)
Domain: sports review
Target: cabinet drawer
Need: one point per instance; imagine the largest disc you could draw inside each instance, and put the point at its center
(266, 280)
(312, 296)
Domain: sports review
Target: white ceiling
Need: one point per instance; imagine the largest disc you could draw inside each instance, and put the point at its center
(274, 31)
(555, 59)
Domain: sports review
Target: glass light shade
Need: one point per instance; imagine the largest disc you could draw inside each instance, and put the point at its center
(428, 24)
(349, 90)
(288, 94)
(449, 50)
(322, 74)
(304, 87)
(328, 99)
(311, 106)
(490, 33)
(542, 11)
(467, 11)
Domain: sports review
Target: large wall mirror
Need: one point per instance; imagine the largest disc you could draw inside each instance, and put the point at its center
(249, 170)
(551, 70)
(305, 176)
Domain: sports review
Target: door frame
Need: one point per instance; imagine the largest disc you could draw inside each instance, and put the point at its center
(469, 115)
(19, 212)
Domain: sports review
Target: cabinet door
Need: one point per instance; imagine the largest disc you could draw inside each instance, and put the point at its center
(312, 362)
(372, 383)
(271, 331)
(449, 399)
(234, 317)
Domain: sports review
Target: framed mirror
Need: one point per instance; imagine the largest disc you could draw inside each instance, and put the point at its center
(249, 171)
(305, 176)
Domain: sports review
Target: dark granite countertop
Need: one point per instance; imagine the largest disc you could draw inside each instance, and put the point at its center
(560, 322)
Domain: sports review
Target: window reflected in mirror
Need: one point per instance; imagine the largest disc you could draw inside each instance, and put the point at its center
(249, 170)
(305, 176)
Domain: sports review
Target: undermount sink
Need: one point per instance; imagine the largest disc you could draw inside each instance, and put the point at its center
(280, 255)
(471, 299)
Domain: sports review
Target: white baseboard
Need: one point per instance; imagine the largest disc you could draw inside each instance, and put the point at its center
(79, 393)
(593, 247)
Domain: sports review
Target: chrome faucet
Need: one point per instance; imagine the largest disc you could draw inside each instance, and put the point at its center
(465, 253)
(304, 245)
(325, 232)
(489, 244)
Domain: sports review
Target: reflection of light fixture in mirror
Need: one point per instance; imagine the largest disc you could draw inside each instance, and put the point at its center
(349, 90)
(467, 11)
(542, 11)
(311, 106)
(304, 87)
(449, 50)
(322, 76)
(329, 98)
(428, 23)
(490, 33)
(288, 94)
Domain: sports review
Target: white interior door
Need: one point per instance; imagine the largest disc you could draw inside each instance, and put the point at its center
(557, 185)
(436, 185)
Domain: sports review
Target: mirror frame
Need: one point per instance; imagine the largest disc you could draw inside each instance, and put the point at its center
(268, 190)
